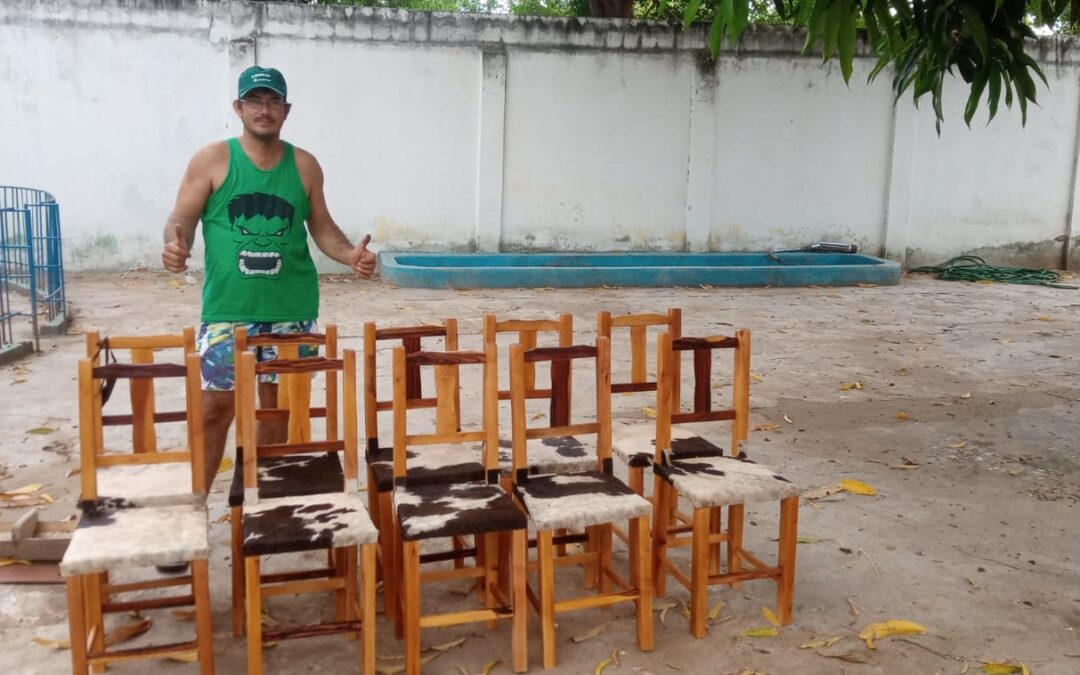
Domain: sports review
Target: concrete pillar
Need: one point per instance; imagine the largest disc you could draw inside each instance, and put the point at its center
(701, 191)
(489, 164)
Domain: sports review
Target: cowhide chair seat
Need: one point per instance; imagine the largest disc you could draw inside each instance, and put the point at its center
(635, 443)
(563, 454)
(429, 464)
(435, 511)
(289, 476)
(164, 484)
(113, 535)
(578, 500)
(306, 523)
(719, 481)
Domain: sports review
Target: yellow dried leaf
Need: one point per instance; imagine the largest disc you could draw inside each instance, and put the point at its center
(649, 412)
(966, 395)
(715, 611)
(125, 633)
(538, 415)
(224, 518)
(4, 562)
(184, 614)
(1043, 318)
(756, 378)
(490, 667)
(769, 616)
(821, 644)
(903, 371)
(883, 629)
(24, 490)
(822, 492)
(1003, 668)
(446, 646)
(771, 631)
(903, 416)
(857, 487)
(857, 384)
(600, 666)
(788, 419)
(615, 657)
(176, 283)
(768, 426)
(40, 431)
(808, 540)
(590, 633)
(55, 644)
(226, 464)
(957, 446)
(185, 657)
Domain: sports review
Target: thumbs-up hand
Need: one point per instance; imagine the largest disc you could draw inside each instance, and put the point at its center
(175, 254)
(361, 260)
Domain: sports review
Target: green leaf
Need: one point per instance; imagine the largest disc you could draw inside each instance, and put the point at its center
(815, 25)
(994, 95)
(716, 33)
(1030, 63)
(691, 13)
(977, 87)
(739, 18)
(832, 28)
(976, 29)
(846, 41)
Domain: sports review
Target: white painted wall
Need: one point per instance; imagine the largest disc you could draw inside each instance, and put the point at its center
(491, 133)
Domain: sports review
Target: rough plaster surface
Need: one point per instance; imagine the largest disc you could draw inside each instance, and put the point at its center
(978, 543)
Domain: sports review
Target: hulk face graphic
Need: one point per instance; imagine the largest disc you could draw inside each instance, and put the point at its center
(260, 228)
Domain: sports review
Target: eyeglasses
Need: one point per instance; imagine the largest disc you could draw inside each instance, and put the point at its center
(275, 103)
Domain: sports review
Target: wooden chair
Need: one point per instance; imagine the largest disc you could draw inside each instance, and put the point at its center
(140, 472)
(590, 500)
(711, 482)
(337, 520)
(440, 464)
(478, 508)
(550, 455)
(119, 532)
(291, 475)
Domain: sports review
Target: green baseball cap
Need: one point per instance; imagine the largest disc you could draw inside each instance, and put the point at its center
(257, 77)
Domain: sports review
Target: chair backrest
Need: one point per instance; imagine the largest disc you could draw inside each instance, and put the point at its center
(669, 352)
(411, 339)
(560, 359)
(95, 380)
(294, 391)
(528, 335)
(140, 350)
(447, 398)
(638, 331)
(342, 370)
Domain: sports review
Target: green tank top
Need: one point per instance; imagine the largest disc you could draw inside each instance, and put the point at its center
(258, 267)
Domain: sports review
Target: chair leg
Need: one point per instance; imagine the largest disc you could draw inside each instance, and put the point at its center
(519, 551)
(699, 572)
(204, 625)
(716, 526)
(661, 516)
(386, 543)
(368, 566)
(545, 555)
(95, 620)
(338, 560)
(236, 561)
(348, 556)
(636, 476)
(490, 561)
(639, 563)
(592, 567)
(410, 580)
(789, 527)
(603, 560)
(253, 592)
(77, 625)
(736, 515)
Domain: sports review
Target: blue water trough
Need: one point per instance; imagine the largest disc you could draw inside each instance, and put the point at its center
(580, 270)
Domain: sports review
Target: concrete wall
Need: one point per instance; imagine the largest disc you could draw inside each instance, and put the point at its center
(472, 132)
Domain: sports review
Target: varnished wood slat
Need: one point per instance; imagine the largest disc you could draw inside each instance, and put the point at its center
(305, 586)
(159, 418)
(315, 364)
(314, 630)
(428, 330)
(711, 416)
(274, 339)
(696, 343)
(146, 341)
(279, 577)
(468, 616)
(531, 325)
(271, 414)
(414, 403)
(625, 387)
(153, 603)
(116, 589)
(285, 449)
(135, 371)
(445, 358)
(590, 601)
(539, 354)
(567, 430)
(644, 319)
(141, 653)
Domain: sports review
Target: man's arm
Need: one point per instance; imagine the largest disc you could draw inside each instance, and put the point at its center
(326, 233)
(195, 188)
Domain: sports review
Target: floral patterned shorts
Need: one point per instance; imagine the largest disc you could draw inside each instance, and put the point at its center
(215, 345)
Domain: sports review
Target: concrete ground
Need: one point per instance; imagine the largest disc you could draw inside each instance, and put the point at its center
(965, 423)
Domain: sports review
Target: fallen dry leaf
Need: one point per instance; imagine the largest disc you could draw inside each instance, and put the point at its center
(822, 492)
(849, 656)
(788, 419)
(4, 562)
(1003, 668)
(446, 646)
(24, 490)
(857, 487)
(756, 378)
(1017, 472)
(224, 518)
(1043, 318)
(903, 416)
(600, 666)
(715, 611)
(768, 426)
(40, 431)
(769, 616)
(957, 446)
(771, 631)
(55, 644)
(821, 644)
(226, 464)
(966, 395)
(590, 633)
(807, 540)
(125, 633)
(884, 629)
(649, 412)
(857, 384)
(490, 667)
(905, 463)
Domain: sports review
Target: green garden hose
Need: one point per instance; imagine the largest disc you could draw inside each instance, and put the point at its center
(973, 268)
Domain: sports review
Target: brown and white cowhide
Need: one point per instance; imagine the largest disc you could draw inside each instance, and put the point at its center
(114, 536)
(563, 454)
(635, 443)
(291, 475)
(305, 523)
(430, 511)
(579, 500)
(719, 481)
(430, 464)
(164, 484)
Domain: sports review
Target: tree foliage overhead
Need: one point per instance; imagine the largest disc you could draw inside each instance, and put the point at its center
(982, 41)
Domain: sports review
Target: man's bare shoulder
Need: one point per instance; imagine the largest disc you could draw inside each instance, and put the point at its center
(306, 163)
(211, 158)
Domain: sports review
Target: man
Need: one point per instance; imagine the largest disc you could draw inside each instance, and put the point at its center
(253, 195)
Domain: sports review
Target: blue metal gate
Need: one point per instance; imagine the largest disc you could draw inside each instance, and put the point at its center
(31, 270)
